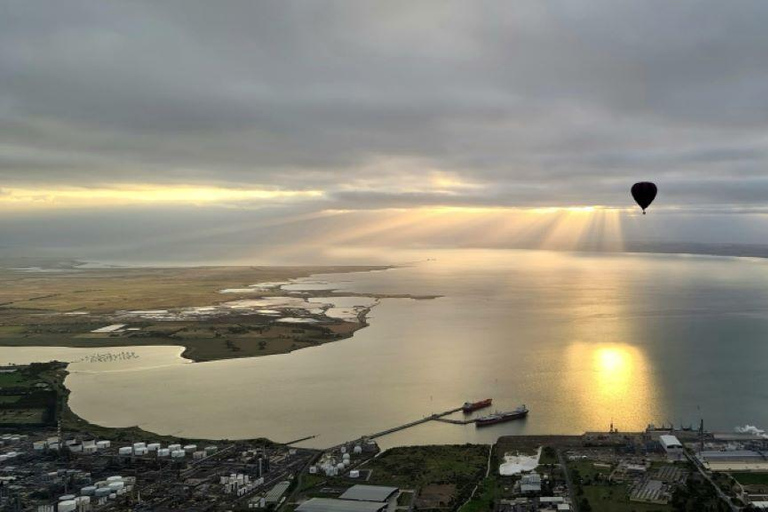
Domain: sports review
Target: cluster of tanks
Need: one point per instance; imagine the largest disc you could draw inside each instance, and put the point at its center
(97, 494)
(174, 451)
(334, 464)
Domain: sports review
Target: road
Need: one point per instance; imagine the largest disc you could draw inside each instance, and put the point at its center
(720, 494)
(568, 483)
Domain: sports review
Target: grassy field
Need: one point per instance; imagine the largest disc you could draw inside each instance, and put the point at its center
(484, 498)
(32, 307)
(614, 498)
(751, 478)
(416, 467)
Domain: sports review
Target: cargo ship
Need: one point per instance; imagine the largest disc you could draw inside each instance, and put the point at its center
(469, 407)
(500, 417)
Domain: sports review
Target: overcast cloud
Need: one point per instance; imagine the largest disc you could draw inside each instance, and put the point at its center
(529, 102)
(371, 105)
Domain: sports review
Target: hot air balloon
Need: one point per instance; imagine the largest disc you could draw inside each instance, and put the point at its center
(644, 193)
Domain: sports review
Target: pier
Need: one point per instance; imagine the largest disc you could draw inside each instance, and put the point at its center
(433, 417)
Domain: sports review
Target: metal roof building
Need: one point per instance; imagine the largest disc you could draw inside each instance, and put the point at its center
(333, 505)
(369, 493)
(274, 494)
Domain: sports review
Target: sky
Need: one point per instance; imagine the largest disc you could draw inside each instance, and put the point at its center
(125, 125)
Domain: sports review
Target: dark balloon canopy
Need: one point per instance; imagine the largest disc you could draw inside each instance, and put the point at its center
(644, 194)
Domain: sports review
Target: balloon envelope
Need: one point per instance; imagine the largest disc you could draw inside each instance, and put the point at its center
(644, 193)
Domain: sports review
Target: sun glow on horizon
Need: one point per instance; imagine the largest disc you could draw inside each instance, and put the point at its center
(13, 197)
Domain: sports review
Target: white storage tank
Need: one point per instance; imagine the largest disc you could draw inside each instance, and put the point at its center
(340, 466)
(88, 490)
(312, 470)
(67, 506)
(190, 448)
(343, 449)
(116, 486)
(139, 445)
(76, 448)
(67, 497)
(90, 449)
(112, 496)
(357, 449)
(354, 474)
(198, 455)
(174, 447)
(163, 452)
(38, 445)
(125, 450)
(102, 492)
(346, 463)
(101, 445)
(153, 447)
(210, 450)
(83, 501)
(140, 451)
(115, 478)
(178, 454)
(345, 456)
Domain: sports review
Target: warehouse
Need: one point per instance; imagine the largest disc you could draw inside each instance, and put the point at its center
(333, 505)
(376, 493)
(672, 446)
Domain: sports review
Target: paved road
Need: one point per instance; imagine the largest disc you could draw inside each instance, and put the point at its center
(568, 483)
(727, 499)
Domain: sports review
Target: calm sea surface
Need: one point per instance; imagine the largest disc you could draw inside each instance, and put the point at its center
(580, 339)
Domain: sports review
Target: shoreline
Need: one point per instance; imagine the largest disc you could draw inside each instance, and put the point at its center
(67, 318)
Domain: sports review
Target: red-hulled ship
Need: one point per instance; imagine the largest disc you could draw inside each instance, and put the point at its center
(473, 406)
(499, 417)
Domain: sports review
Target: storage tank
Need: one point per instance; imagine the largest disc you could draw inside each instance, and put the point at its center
(90, 449)
(88, 490)
(312, 470)
(115, 486)
(38, 445)
(174, 447)
(340, 466)
(103, 444)
(102, 492)
(140, 451)
(115, 478)
(83, 501)
(357, 449)
(163, 452)
(67, 506)
(190, 448)
(125, 450)
(153, 447)
(346, 463)
(67, 497)
(198, 455)
(345, 456)
(76, 448)
(343, 449)
(178, 454)
(112, 496)
(139, 445)
(354, 474)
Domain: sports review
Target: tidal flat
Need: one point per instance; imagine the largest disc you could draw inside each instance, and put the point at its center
(213, 312)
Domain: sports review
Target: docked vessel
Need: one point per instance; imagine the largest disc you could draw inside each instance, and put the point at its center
(473, 406)
(500, 417)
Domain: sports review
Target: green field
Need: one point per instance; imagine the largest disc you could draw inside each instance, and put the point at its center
(751, 478)
(614, 498)
(484, 498)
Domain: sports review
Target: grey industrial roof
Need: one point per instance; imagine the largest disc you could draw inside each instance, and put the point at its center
(368, 493)
(276, 492)
(332, 505)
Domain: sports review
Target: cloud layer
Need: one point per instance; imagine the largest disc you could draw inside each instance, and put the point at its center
(394, 103)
